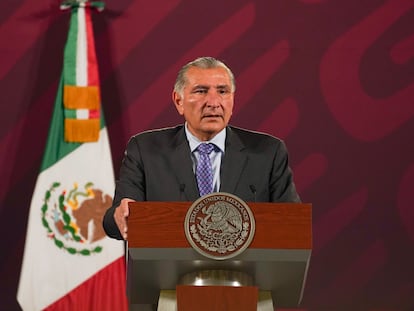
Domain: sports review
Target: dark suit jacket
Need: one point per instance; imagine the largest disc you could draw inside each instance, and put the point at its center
(157, 166)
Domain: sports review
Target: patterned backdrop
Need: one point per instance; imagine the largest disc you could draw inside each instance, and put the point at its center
(334, 79)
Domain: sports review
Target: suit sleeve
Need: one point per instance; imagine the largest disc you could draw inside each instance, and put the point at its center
(131, 184)
(282, 187)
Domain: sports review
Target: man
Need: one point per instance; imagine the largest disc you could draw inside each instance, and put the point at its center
(160, 165)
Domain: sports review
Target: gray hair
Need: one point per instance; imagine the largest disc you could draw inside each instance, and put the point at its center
(204, 63)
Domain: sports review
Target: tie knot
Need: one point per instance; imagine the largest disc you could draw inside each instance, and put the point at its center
(205, 148)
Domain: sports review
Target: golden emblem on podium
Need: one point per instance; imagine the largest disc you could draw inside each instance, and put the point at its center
(219, 225)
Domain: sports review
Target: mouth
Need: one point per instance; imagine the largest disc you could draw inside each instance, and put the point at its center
(212, 116)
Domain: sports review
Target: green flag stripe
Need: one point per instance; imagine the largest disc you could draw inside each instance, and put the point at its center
(70, 113)
(69, 61)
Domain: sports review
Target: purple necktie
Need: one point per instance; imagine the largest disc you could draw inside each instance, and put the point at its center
(204, 170)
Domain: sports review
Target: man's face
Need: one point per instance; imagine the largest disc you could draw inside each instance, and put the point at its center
(207, 101)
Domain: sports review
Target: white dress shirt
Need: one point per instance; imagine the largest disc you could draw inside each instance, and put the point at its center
(215, 156)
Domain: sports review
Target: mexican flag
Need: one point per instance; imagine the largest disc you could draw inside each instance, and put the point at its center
(69, 263)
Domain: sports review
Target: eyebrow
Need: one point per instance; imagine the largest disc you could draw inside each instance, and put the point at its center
(223, 86)
(201, 86)
(220, 86)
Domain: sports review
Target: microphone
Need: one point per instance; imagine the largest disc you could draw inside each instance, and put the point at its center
(182, 188)
(253, 189)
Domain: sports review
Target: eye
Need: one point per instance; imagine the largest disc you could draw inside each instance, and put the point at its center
(223, 90)
(200, 91)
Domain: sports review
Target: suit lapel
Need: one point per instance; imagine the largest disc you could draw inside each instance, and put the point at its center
(233, 162)
(182, 166)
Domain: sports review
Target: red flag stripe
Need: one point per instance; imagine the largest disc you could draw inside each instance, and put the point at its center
(93, 78)
(110, 279)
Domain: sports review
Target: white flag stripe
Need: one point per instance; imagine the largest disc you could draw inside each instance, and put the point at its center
(82, 51)
(82, 114)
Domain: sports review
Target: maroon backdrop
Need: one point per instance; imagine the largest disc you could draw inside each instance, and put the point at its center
(334, 79)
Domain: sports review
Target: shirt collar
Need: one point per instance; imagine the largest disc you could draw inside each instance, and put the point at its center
(219, 140)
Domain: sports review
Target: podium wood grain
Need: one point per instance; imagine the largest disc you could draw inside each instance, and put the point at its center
(161, 225)
(217, 298)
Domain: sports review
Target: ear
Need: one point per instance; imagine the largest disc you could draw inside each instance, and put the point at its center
(178, 102)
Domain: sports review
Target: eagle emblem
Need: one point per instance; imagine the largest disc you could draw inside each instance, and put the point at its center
(219, 225)
(73, 217)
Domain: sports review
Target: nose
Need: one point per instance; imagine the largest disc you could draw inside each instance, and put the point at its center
(213, 99)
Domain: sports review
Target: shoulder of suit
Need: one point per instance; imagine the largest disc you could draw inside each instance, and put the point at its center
(244, 134)
(165, 131)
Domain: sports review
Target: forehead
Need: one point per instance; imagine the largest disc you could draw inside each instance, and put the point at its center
(207, 77)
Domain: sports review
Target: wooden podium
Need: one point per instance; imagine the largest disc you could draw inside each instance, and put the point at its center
(159, 254)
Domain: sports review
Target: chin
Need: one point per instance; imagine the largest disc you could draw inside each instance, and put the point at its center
(213, 125)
